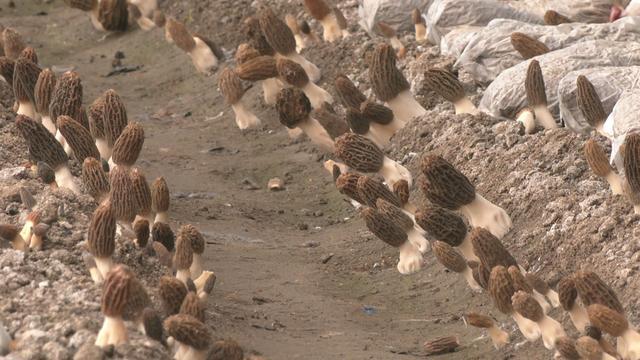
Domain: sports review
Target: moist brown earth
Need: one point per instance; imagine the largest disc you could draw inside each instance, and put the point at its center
(299, 277)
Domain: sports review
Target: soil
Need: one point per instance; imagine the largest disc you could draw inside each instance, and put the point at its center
(299, 277)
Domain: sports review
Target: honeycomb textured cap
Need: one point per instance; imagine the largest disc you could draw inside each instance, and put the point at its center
(527, 46)
(30, 54)
(67, 97)
(444, 185)
(226, 350)
(479, 320)
(13, 43)
(188, 330)
(347, 184)
(340, 19)
(123, 200)
(292, 73)
(94, 178)
(116, 291)
(589, 102)
(141, 229)
(350, 96)
(596, 158)
(251, 28)
(184, 254)
(444, 83)
(114, 116)
(318, 9)
(190, 233)
(209, 283)
(357, 122)
(44, 91)
(632, 161)
(163, 234)
(416, 17)
(293, 107)
(371, 189)
(172, 293)
(442, 224)
(588, 348)
(330, 120)
(25, 77)
(230, 86)
(448, 256)
(46, 173)
(441, 345)
(593, 332)
(8, 232)
(386, 80)
(96, 118)
(78, 137)
(138, 301)
(386, 30)
(490, 249)
(552, 17)
(102, 232)
(276, 32)
(537, 283)
(383, 227)
(257, 68)
(159, 18)
(567, 293)
(141, 191)
(607, 319)
(244, 53)
(518, 280)
(401, 189)
(395, 213)
(566, 346)
(359, 153)
(42, 144)
(480, 274)
(527, 306)
(6, 68)
(376, 113)
(160, 195)
(193, 306)
(113, 15)
(501, 289)
(534, 85)
(129, 144)
(153, 325)
(593, 290)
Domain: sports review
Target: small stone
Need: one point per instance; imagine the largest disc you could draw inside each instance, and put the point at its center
(89, 352)
(250, 184)
(303, 226)
(327, 258)
(318, 213)
(275, 184)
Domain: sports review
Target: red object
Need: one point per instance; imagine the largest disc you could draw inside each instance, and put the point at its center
(616, 13)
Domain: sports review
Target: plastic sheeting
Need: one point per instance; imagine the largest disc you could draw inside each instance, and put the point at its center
(454, 43)
(623, 120)
(396, 13)
(585, 11)
(489, 52)
(506, 94)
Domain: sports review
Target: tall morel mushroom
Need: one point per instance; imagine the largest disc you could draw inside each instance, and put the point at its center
(114, 120)
(142, 193)
(590, 104)
(192, 337)
(293, 74)
(320, 11)
(445, 225)
(599, 164)
(116, 292)
(201, 53)
(231, 87)
(192, 235)
(498, 336)
(12, 42)
(122, 197)
(632, 161)
(452, 260)
(348, 93)
(101, 237)
(537, 96)
(617, 325)
(25, 77)
(294, 110)
(160, 200)
(528, 307)
(183, 258)
(527, 46)
(43, 93)
(128, 146)
(78, 138)
(568, 295)
(95, 180)
(405, 222)
(172, 293)
(449, 87)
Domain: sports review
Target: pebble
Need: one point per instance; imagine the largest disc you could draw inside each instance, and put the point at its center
(275, 184)
(89, 352)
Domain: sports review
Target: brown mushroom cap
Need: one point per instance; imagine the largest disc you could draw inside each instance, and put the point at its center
(480, 273)
(552, 17)
(94, 178)
(160, 196)
(96, 118)
(607, 319)
(192, 305)
(123, 200)
(490, 249)
(527, 306)
(395, 213)
(444, 185)
(6, 68)
(188, 330)
(479, 320)
(276, 32)
(13, 43)
(43, 91)
(230, 86)
(67, 97)
(159, 19)
(347, 184)
(153, 325)
(127, 147)
(537, 283)
(172, 293)
(358, 123)
(567, 293)
(138, 301)
(226, 350)
(141, 229)
(348, 93)
(445, 84)
(632, 161)
(442, 224)
(441, 345)
(113, 15)
(416, 17)
(42, 144)
(383, 227)
(501, 289)
(385, 79)
(102, 232)
(359, 153)
(46, 173)
(401, 189)
(209, 283)
(116, 291)
(251, 28)
(566, 346)
(448, 256)
(257, 68)
(318, 9)
(589, 102)
(534, 85)
(114, 116)
(30, 54)
(192, 235)
(593, 290)
(371, 189)
(292, 73)
(78, 138)
(293, 107)
(244, 53)
(8, 232)
(376, 113)
(386, 30)
(340, 19)
(518, 280)
(163, 234)
(25, 77)
(184, 254)
(588, 348)
(141, 191)
(527, 46)
(330, 120)
(596, 158)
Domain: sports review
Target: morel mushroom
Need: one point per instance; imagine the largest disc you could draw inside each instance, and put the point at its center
(116, 292)
(449, 87)
(320, 11)
(390, 34)
(590, 104)
(527, 46)
(202, 54)
(192, 336)
(568, 294)
(232, 89)
(616, 324)
(43, 93)
(405, 222)
(528, 307)
(160, 200)
(293, 74)
(599, 164)
(11, 234)
(294, 109)
(452, 260)
(192, 235)
(498, 336)
(537, 97)
(101, 237)
(419, 25)
(25, 77)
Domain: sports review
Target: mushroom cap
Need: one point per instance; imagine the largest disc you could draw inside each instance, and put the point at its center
(172, 293)
(257, 68)
(192, 305)
(276, 32)
(442, 224)
(359, 153)
(230, 86)
(416, 17)
(376, 113)
(385, 79)
(567, 293)
(41, 230)
(588, 348)
(607, 319)
(490, 249)
(96, 118)
(358, 123)
(479, 320)
(188, 330)
(348, 93)
(8, 232)
(43, 91)
(347, 184)
(191, 234)
(527, 46)
(159, 19)
(46, 173)
(95, 180)
(444, 83)
(30, 54)
(589, 102)
(78, 137)
(138, 301)
(330, 120)
(13, 43)
(527, 306)
(26, 198)
(116, 291)
(593, 332)
(251, 28)
(371, 189)
(534, 85)
(66, 98)
(153, 325)
(537, 283)
(318, 9)
(401, 189)
(113, 15)
(84, 5)
(596, 158)
(25, 77)
(292, 72)
(632, 161)
(163, 234)
(123, 200)
(383, 227)
(141, 229)
(566, 346)
(480, 273)
(114, 116)
(552, 17)
(184, 253)
(127, 147)
(6, 68)
(141, 191)
(226, 349)
(593, 290)
(518, 280)
(441, 345)
(292, 23)
(395, 213)
(42, 144)
(293, 107)
(209, 283)
(160, 195)
(102, 232)
(501, 289)
(386, 30)
(444, 185)
(448, 256)
(244, 53)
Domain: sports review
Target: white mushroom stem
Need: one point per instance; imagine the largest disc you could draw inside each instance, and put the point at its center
(46, 122)
(483, 213)
(103, 148)
(394, 172)
(271, 87)
(553, 297)
(418, 240)
(466, 248)
(196, 266)
(317, 133)
(95, 275)
(332, 31)
(113, 332)
(498, 336)
(421, 32)
(300, 44)
(294, 133)
(615, 182)
(385, 132)
(65, 179)
(396, 44)
(183, 275)
(26, 108)
(104, 265)
(551, 331)
(405, 107)
(328, 165)
(317, 95)
(528, 120)
(145, 23)
(373, 135)
(636, 209)
(244, 117)
(528, 328)
(631, 345)
(27, 230)
(410, 259)
(162, 217)
(185, 352)
(465, 106)
(544, 117)
(35, 242)
(311, 69)
(203, 58)
(579, 317)
(468, 275)
(146, 7)
(542, 301)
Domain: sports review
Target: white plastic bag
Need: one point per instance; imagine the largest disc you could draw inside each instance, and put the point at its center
(455, 42)
(396, 13)
(623, 120)
(585, 11)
